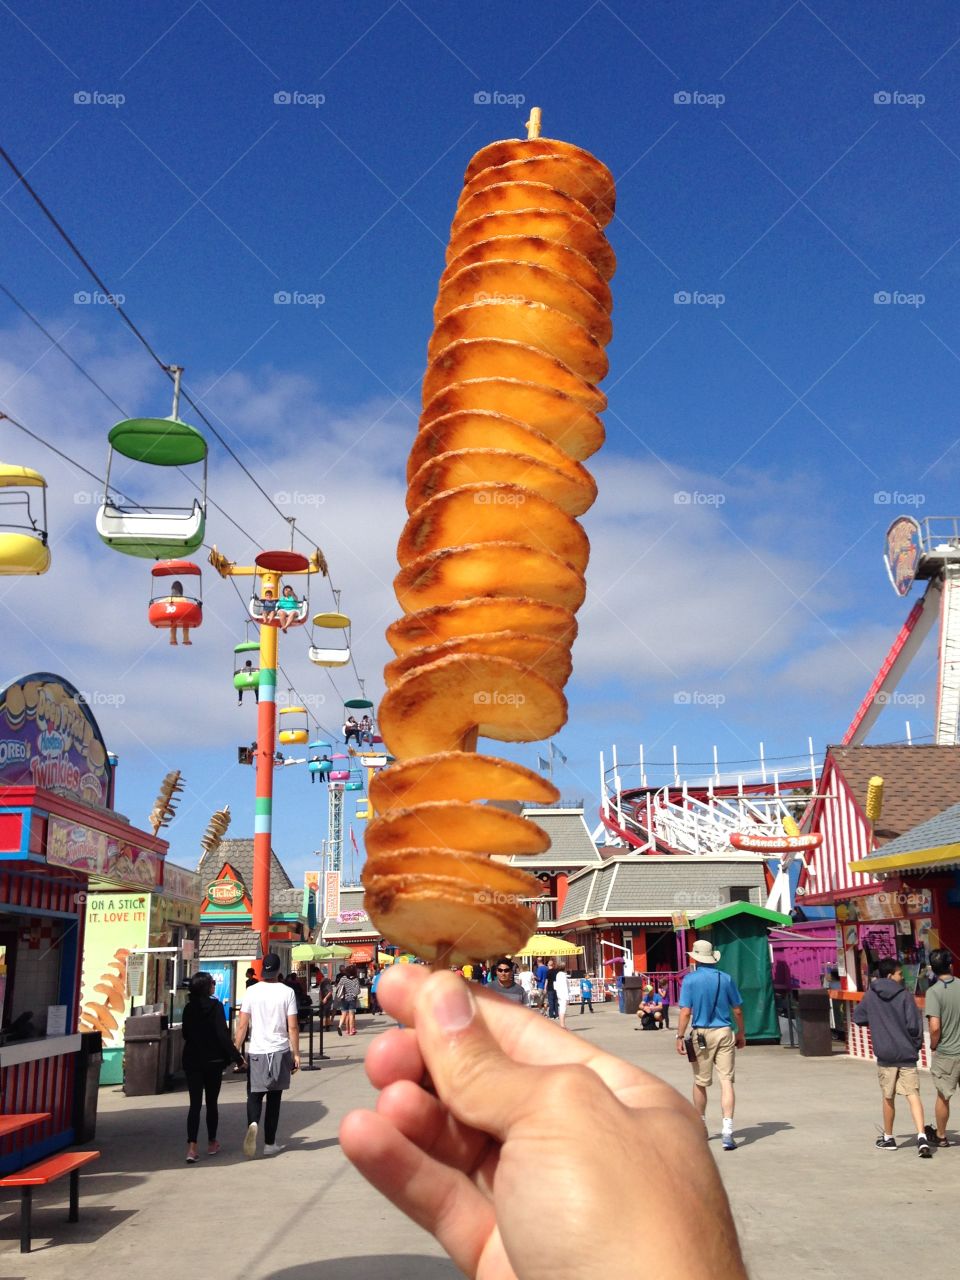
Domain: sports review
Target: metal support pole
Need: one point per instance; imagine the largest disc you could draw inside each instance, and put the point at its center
(266, 740)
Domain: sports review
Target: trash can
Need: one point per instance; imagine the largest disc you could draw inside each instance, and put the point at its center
(86, 1086)
(813, 1007)
(630, 992)
(145, 1054)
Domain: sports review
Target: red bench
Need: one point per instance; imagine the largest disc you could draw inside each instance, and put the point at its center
(42, 1174)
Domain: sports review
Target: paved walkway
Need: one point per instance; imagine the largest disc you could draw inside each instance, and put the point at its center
(812, 1196)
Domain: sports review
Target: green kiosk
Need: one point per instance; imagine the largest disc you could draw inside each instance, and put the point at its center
(739, 932)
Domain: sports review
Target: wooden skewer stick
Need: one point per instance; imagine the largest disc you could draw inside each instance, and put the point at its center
(444, 952)
(533, 124)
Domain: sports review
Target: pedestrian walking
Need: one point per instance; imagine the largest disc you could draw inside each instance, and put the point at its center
(561, 986)
(527, 981)
(348, 997)
(504, 983)
(709, 1004)
(207, 1048)
(586, 995)
(891, 1013)
(374, 983)
(269, 1012)
(550, 986)
(942, 1008)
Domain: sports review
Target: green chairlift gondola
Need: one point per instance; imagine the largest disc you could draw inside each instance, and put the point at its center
(246, 666)
(155, 533)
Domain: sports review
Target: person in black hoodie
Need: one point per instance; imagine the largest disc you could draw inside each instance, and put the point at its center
(896, 1028)
(207, 1048)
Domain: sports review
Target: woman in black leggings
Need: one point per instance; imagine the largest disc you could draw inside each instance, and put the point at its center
(207, 1048)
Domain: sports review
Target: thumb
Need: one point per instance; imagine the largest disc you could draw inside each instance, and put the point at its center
(473, 1077)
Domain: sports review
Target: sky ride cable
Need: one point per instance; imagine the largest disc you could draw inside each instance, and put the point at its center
(167, 369)
(120, 409)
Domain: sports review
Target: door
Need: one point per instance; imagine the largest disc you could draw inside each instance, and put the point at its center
(222, 975)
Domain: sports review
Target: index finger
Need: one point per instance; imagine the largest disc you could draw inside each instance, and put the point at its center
(530, 1039)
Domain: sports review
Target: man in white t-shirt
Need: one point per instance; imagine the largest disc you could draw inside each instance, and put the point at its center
(269, 1013)
(526, 979)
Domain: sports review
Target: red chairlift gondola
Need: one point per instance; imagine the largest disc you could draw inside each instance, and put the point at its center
(171, 607)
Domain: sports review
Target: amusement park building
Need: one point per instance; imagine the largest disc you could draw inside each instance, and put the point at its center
(61, 842)
(914, 907)
(640, 905)
(571, 850)
(228, 942)
(351, 927)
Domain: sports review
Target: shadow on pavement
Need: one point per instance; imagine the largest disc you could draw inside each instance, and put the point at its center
(399, 1266)
(756, 1132)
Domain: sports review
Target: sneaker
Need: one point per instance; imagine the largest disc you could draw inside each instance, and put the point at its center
(272, 1148)
(923, 1147)
(934, 1138)
(886, 1144)
(727, 1142)
(250, 1141)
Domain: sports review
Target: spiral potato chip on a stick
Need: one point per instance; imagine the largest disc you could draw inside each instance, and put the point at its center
(492, 556)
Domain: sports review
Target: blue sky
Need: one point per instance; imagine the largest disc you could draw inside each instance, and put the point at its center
(789, 410)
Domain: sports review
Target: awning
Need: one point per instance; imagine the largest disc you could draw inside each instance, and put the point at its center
(943, 855)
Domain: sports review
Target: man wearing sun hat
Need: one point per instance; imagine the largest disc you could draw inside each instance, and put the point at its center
(709, 1005)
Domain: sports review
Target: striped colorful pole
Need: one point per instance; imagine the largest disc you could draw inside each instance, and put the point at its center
(266, 746)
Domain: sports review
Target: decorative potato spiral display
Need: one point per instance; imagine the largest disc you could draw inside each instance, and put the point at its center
(492, 557)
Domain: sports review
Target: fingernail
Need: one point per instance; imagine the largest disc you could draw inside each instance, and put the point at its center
(454, 1007)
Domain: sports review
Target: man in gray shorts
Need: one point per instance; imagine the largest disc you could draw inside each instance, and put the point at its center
(269, 1013)
(942, 1009)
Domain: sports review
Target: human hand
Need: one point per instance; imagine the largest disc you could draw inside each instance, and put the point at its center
(741, 1040)
(296, 1061)
(521, 1112)
(681, 1047)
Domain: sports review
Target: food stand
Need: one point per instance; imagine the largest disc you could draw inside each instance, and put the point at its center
(58, 832)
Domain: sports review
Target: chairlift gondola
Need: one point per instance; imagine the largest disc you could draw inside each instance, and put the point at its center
(319, 765)
(328, 655)
(155, 533)
(170, 604)
(246, 668)
(339, 773)
(23, 540)
(363, 731)
(295, 725)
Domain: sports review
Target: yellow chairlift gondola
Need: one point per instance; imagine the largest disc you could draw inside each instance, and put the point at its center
(294, 725)
(155, 533)
(329, 655)
(23, 529)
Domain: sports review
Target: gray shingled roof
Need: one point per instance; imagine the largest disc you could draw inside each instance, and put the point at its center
(942, 829)
(659, 885)
(284, 899)
(570, 842)
(226, 942)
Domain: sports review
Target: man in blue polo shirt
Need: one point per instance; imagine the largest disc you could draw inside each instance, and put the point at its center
(709, 1004)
